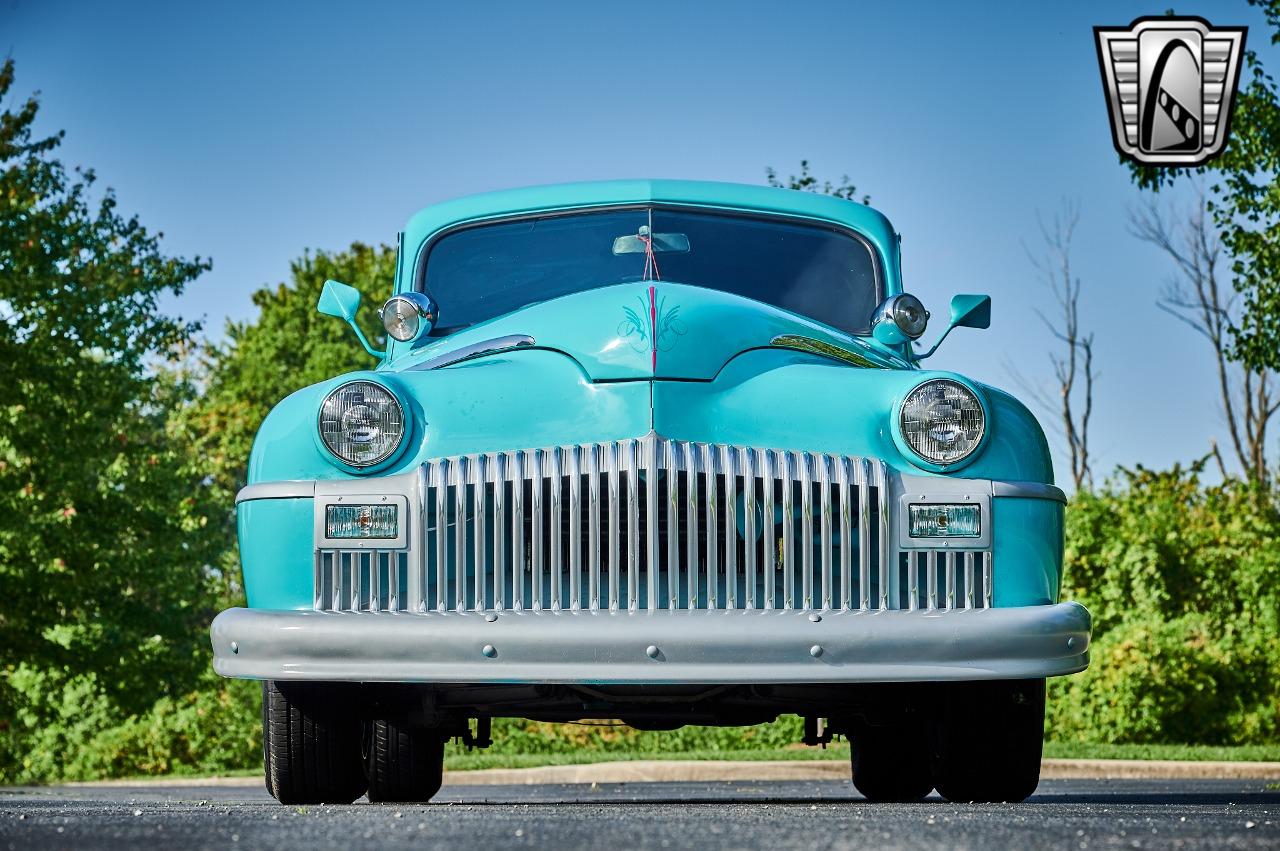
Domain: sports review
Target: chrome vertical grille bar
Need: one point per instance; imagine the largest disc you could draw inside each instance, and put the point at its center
(913, 584)
(693, 568)
(554, 566)
(888, 577)
(517, 531)
(846, 536)
(931, 566)
(575, 529)
(788, 553)
(987, 591)
(416, 587)
(749, 536)
(673, 525)
(440, 480)
(968, 581)
(862, 475)
(536, 476)
(633, 526)
(951, 579)
(713, 569)
(730, 527)
(611, 462)
(393, 581)
(824, 507)
(770, 540)
(806, 528)
(501, 472)
(460, 534)
(652, 556)
(317, 576)
(353, 566)
(594, 465)
(481, 477)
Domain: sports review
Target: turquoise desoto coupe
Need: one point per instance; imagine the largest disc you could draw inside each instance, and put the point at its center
(656, 451)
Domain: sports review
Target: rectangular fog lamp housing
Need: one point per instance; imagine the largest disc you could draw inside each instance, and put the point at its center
(346, 522)
(945, 520)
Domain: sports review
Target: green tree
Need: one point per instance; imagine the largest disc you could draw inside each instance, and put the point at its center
(1244, 199)
(1183, 581)
(287, 347)
(103, 550)
(806, 182)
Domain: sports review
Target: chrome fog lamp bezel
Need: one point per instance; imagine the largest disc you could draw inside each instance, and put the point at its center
(899, 319)
(917, 455)
(411, 304)
(383, 457)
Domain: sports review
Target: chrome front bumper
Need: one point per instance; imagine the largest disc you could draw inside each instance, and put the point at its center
(694, 647)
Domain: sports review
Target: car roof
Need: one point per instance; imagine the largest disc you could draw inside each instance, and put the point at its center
(867, 221)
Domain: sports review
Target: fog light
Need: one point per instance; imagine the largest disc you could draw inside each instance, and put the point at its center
(361, 521)
(945, 521)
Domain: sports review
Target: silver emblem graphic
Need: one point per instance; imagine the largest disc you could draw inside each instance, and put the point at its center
(1169, 84)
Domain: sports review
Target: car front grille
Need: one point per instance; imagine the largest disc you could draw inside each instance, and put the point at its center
(648, 524)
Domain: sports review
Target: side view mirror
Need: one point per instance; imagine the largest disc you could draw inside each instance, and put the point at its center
(340, 300)
(967, 311)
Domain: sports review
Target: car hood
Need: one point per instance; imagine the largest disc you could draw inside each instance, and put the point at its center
(648, 330)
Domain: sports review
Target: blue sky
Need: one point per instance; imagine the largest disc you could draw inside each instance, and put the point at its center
(248, 132)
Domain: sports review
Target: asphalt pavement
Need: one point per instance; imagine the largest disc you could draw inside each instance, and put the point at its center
(1068, 814)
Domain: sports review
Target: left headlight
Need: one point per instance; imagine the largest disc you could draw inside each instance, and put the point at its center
(942, 421)
(361, 423)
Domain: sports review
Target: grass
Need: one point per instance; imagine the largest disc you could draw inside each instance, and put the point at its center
(469, 761)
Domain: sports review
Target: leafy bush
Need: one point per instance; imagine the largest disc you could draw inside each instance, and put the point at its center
(1183, 581)
(67, 727)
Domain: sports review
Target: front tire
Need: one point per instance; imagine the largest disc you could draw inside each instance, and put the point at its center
(891, 763)
(990, 740)
(403, 764)
(310, 745)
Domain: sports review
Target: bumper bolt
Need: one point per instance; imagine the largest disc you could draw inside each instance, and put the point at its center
(490, 618)
(489, 650)
(1071, 642)
(815, 618)
(235, 647)
(815, 651)
(652, 651)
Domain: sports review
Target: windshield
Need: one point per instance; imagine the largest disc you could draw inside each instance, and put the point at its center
(485, 271)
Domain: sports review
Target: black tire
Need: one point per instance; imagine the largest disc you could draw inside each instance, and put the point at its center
(310, 745)
(403, 764)
(990, 739)
(891, 763)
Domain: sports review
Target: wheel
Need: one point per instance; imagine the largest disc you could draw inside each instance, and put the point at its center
(402, 763)
(989, 741)
(310, 745)
(891, 763)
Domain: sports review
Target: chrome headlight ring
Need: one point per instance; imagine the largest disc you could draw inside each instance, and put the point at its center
(942, 422)
(362, 423)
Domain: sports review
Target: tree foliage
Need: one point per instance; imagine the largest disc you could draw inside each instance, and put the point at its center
(287, 347)
(1244, 199)
(1183, 581)
(806, 182)
(103, 557)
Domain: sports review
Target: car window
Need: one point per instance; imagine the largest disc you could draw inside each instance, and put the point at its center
(481, 272)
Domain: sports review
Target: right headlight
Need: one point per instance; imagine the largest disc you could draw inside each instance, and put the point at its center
(361, 423)
(942, 421)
